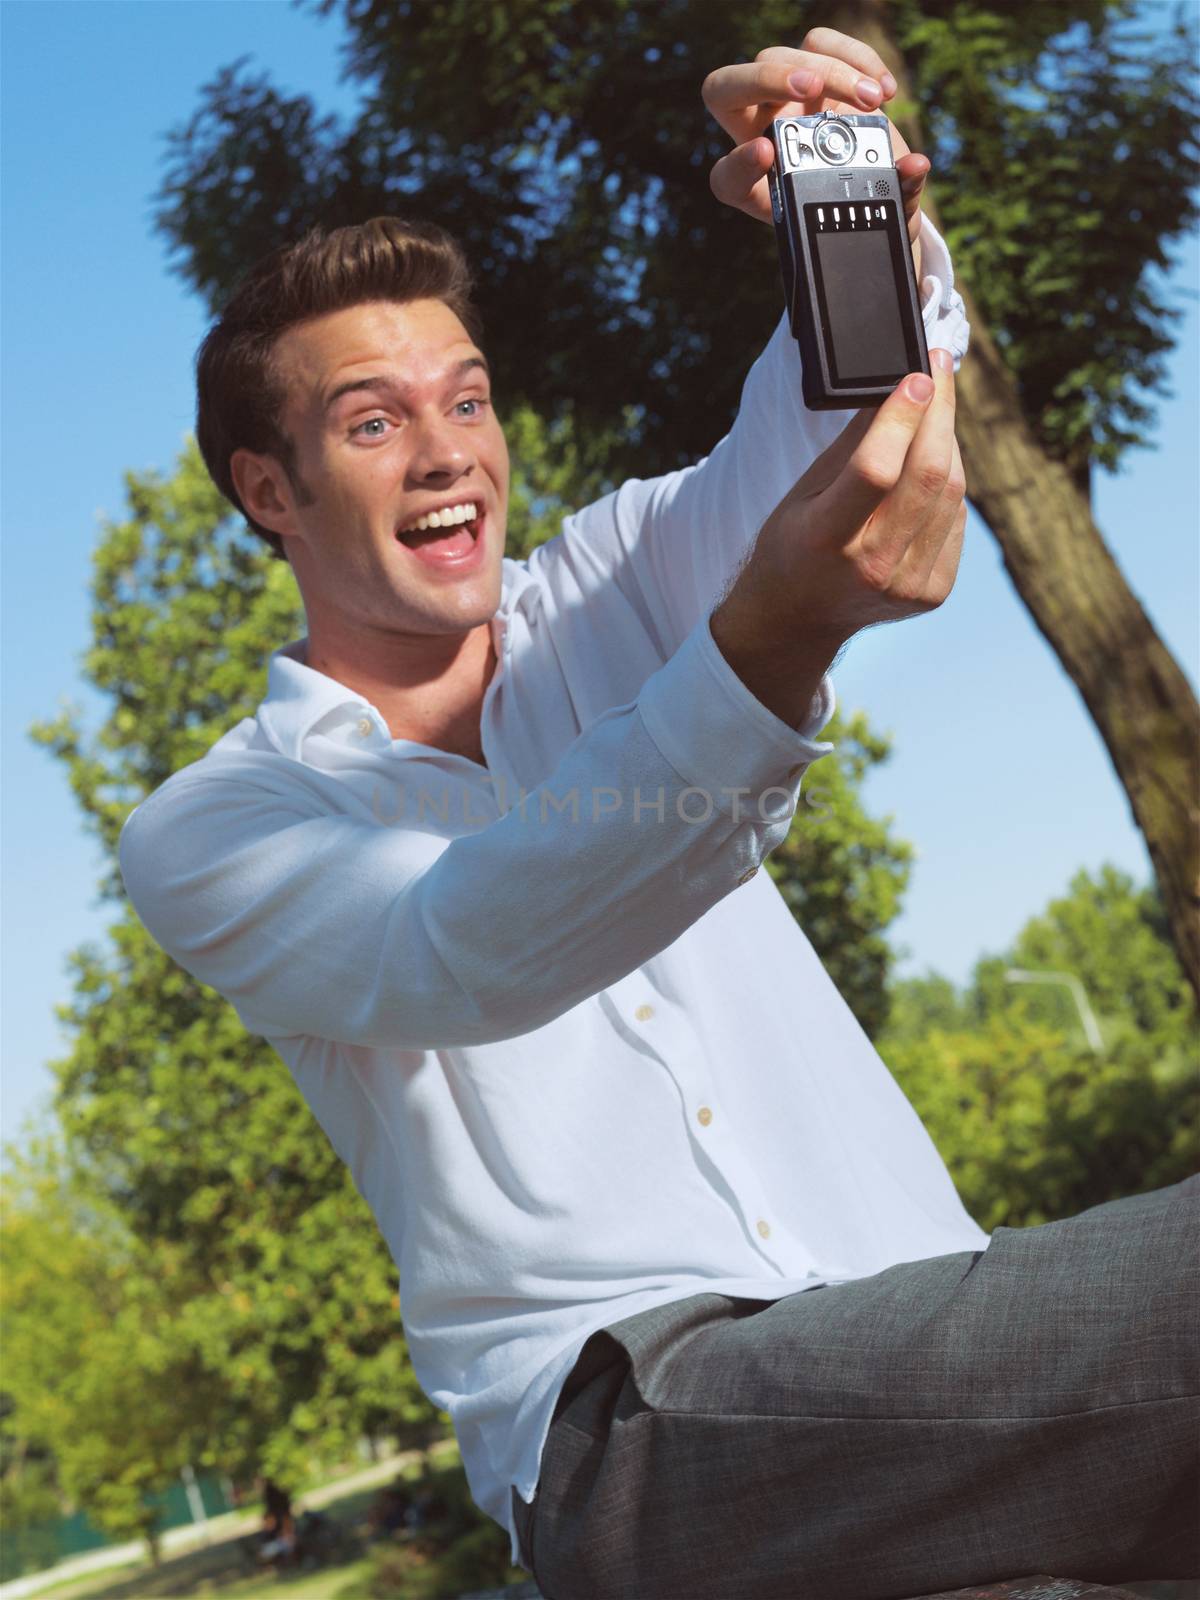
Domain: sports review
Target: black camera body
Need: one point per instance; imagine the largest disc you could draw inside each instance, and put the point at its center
(852, 296)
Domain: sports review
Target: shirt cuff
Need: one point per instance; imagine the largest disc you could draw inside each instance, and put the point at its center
(717, 735)
(942, 308)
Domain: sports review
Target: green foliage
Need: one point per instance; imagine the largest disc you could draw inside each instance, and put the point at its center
(1115, 938)
(1065, 143)
(30, 1493)
(184, 610)
(842, 873)
(556, 467)
(1032, 1124)
(918, 1006)
(458, 1549)
(564, 142)
(88, 1334)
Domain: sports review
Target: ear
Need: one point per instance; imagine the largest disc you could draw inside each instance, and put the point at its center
(263, 489)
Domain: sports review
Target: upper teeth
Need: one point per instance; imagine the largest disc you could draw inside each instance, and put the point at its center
(446, 518)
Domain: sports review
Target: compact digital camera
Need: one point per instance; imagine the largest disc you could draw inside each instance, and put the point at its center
(848, 277)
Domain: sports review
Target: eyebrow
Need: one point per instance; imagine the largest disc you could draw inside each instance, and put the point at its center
(383, 382)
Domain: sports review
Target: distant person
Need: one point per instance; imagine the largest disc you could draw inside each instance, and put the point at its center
(278, 1537)
(675, 1252)
(389, 1512)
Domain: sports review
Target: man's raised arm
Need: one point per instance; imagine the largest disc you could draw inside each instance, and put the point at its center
(669, 545)
(363, 927)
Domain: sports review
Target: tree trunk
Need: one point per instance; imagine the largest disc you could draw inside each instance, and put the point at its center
(1040, 516)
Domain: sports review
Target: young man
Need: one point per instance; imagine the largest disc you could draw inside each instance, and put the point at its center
(674, 1251)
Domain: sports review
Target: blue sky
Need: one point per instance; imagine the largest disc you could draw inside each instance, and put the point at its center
(997, 777)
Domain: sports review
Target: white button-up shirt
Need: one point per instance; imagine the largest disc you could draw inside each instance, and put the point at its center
(577, 1053)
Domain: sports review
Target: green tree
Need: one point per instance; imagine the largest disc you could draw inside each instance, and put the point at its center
(842, 873)
(1113, 937)
(98, 1380)
(1032, 1123)
(31, 1496)
(563, 141)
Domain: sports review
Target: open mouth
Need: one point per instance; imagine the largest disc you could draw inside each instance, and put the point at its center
(413, 537)
(450, 545)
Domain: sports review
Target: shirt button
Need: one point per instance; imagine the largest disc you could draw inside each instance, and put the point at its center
(644, 1013)
(764, 1228)
(747, 875)
(364, 726)
(704, 1115)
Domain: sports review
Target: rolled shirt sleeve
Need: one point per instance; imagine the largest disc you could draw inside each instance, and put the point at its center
(315, 922)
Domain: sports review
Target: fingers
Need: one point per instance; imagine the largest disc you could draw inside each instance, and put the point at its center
(912, 170)
(913, 578)
(940, 579)
(879, 447)
(739, 179)
(832, 65)
(926, 570)
(829, 42)
(744, 98)
(831, 463)
(873, 532)
(913, 527)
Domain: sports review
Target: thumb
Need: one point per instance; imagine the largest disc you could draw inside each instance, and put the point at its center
(832, 460)
(871, 462)
(737, 179)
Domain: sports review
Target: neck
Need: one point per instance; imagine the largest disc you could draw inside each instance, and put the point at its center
(429, 689)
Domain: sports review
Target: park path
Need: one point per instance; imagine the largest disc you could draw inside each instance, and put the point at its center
(218, 1530)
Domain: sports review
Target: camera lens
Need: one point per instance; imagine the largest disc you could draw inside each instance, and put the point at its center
(835, 142)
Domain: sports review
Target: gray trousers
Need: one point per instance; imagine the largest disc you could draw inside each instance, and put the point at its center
(1034, 1407)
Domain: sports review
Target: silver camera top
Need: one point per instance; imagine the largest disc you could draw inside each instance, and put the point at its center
(833, 139)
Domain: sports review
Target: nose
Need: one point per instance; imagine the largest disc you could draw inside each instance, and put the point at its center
(440, 452)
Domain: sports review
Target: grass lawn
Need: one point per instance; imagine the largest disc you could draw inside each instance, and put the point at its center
(209, 1572)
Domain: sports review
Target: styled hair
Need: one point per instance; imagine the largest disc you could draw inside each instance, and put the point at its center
(240, 389)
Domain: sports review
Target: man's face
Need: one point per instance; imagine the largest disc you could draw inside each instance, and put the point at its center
(388, 408)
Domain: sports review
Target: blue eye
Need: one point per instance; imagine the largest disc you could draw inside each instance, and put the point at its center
(367, 424)
(479, 404)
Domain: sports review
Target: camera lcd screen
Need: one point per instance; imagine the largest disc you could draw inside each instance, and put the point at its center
(854, 253)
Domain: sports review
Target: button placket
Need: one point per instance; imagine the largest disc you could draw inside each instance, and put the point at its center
(669, 1034)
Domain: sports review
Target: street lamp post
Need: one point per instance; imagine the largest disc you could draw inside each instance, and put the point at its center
(1068, 979)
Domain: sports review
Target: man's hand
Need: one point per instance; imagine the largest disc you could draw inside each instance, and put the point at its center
(871, 533)
(830, 72)
(873, 530)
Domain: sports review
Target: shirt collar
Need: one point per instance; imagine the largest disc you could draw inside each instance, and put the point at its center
(298, 696)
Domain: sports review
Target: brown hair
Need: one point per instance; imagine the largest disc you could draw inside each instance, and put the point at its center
(240, 392)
